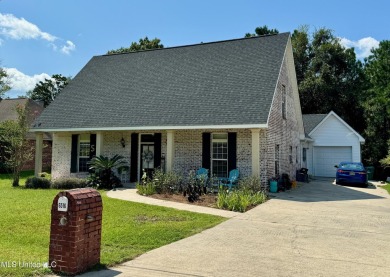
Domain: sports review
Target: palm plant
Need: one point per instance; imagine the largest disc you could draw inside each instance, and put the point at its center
(103, 166)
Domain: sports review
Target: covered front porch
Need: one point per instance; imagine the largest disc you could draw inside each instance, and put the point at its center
(219, 150)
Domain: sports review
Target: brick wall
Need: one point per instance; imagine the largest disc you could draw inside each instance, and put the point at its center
(46, 156)
(61, 154)
(188, 150)
(281, 131)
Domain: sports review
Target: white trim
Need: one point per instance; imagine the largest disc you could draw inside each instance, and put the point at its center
(144, 128)
(226, 140)
(361, 139)
(255, 133)
(170, 155)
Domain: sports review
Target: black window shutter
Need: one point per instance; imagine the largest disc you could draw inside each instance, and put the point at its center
(92, 146)
(134, 157)
(232, 151)
(74, 154)
(206, 145)
(157, 150)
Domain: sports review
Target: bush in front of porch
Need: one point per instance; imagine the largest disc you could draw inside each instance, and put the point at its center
(248, 194)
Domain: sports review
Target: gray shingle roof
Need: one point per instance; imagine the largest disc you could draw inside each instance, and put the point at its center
(220, 83)
(310, 121)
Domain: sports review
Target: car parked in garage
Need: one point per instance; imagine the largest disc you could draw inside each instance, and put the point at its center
(352, 173)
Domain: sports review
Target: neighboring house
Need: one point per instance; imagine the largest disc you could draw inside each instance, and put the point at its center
(220, 105)
(329, 141)
(8, 112)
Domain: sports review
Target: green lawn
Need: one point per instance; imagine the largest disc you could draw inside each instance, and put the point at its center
(386, 187)
(129, 229)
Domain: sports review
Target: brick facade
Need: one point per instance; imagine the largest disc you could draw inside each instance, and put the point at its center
(284, 132)
(188, 143)
(46, 156)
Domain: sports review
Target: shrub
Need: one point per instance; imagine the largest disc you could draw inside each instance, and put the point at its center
(239, 200)
(252, 184)
(146, 189)
(102, 168)
(44, 174)
(37, 183)
(166, 183)
(69, 183)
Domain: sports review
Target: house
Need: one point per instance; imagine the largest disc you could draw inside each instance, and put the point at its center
(8, 112)
(329, 141)
(219, 105)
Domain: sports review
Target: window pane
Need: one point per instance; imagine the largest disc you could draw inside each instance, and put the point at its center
(83, 164)
(84, 149)
(220, 168)
(220, 136)
(219, 150)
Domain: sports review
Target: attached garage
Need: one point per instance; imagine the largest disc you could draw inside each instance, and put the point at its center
(326, 157)
(329, 141)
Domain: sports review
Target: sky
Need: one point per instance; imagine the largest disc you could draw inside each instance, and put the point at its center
(39, 38)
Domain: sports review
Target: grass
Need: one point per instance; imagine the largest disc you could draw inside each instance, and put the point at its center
(129, 229)
(386, 187)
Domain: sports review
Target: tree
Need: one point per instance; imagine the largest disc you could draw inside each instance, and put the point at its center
(16, 147)
(377, 103)
(3, 82)
(143, 44)
(48, 90)
(329, 76)
(261, 31)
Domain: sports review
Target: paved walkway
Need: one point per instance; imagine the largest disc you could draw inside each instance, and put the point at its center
(130, 194)
(319, 229)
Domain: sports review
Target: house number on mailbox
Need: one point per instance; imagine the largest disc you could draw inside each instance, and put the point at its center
(63, 204)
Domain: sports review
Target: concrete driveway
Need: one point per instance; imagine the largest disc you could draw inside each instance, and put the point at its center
(319, 229)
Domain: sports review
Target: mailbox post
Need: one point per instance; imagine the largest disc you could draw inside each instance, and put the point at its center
(75, 231)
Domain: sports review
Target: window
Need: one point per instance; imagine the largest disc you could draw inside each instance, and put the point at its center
(219, 156)
(84, 152)
(284, 108)
(291, 155)
(304, 154)
(277, 155)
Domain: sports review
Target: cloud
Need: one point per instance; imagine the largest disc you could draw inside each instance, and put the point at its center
(68, 47)
(362, 46)
(19, 28)
(20, 81)
(12, 27)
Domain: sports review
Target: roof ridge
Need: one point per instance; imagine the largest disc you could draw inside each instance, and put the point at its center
(195, 44)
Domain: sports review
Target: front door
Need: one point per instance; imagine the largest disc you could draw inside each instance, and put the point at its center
(147, 155)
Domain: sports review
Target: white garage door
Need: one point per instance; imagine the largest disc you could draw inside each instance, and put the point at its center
(326, 157)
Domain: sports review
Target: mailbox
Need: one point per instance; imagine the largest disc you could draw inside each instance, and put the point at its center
(75, 231)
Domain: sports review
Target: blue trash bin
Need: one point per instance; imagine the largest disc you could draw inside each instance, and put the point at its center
(273, 186)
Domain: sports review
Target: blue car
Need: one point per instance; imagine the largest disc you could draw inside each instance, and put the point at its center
(352, 173)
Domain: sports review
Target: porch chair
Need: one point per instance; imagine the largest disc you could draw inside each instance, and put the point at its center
(232, 180)
(202, 174)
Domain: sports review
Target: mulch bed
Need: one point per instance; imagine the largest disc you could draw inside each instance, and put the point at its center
(206, 200)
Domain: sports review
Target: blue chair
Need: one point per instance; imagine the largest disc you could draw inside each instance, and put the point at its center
(202, 174)
(232, 180)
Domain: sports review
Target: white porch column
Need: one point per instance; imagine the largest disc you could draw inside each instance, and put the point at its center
(170, 150)
(255, 152)
(38, 153)
(99, 143)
